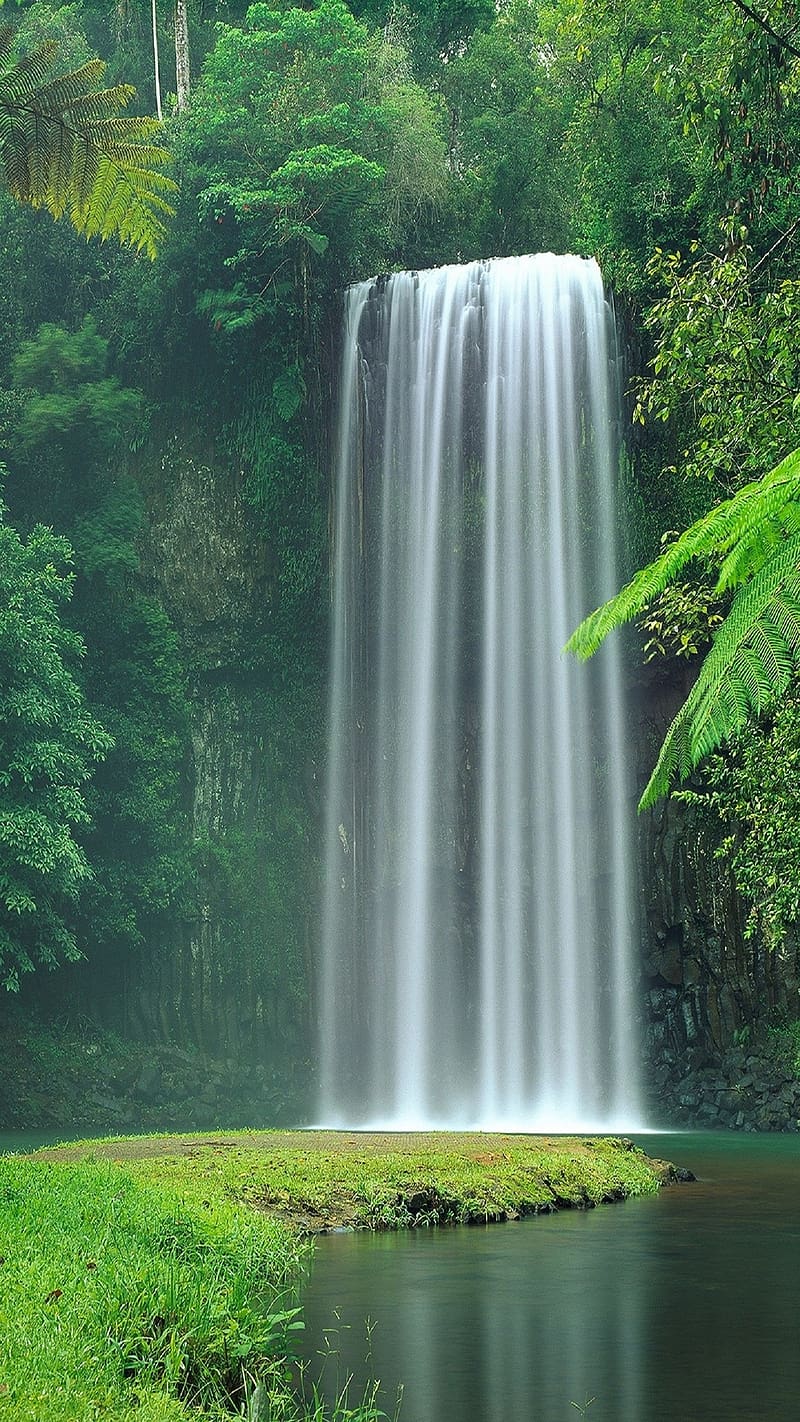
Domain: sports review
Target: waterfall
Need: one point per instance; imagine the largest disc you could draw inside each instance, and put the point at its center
(477, 937)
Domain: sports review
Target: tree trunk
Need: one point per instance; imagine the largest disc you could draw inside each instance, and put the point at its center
(156, 71)
(181, 55)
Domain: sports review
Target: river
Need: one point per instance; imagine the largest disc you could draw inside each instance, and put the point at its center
(684, 1306)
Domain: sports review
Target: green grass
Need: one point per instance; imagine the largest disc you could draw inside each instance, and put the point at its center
(119, 1299)
(156, 1279)
(319, 1179)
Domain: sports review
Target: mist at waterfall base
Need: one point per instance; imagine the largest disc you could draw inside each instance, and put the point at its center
(477, 938)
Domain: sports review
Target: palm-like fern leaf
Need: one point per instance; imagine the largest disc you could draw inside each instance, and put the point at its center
(756, 536)
(65, 147)
(749, 666)
(712, 537)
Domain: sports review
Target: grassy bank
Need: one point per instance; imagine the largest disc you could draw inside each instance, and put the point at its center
(157, 1278)
(125, 1299)
(323, 1179)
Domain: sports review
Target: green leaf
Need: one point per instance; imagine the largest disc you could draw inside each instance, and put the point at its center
(63, 146)
(749, 666)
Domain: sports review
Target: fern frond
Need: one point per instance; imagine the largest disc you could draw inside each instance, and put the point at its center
(712, 536)
(6, 42)
(126, 200)
(96, 105)
(786, 614)
(750, 664)
(754, 547)
(20, 80)
(674, 761)
(59, 94)
(771, 658)
(64, 146)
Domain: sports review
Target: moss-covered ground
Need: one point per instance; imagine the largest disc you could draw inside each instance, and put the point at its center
(325, 1179)
(158, 1278)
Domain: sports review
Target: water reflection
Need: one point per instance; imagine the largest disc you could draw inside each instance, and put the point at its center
(679, 1307)
(492, 1324)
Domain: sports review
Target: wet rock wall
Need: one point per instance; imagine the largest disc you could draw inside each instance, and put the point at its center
(708, 994)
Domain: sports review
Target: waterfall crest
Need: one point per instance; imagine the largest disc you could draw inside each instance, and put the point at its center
(477, 937)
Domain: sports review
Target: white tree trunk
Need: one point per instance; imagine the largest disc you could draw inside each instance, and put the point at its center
(181, 55)
(156, 70)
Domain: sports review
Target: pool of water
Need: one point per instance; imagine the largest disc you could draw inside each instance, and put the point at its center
(677, 1308)
(17, 1142)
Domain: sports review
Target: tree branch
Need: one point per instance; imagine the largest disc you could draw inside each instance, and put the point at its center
(766, 27)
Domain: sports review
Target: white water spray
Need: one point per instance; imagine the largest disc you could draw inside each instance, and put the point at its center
(478, 934)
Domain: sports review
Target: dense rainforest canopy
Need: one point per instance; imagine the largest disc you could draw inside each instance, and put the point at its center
(313, 145)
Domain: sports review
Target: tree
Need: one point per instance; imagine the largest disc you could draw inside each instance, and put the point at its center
(437, 30)
(311, 144)
(156, 59)
(754, 539)
(64, 147)
(48, 745)
(181, 55)
(68, 425)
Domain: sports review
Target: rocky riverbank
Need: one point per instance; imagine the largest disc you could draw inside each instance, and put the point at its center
(745, 1090)
(79, 1078)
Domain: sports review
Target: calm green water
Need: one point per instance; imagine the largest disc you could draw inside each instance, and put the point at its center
(684, 1307)
(16, 1142)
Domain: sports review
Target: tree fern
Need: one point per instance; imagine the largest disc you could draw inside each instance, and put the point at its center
(754, 540)
(65, 147)
(711, 538)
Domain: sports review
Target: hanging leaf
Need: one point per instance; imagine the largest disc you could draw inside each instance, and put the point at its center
(754, 539)
(64, 147)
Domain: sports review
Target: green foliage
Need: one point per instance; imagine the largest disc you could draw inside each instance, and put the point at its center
(436, 31)
(658, 135)
(632, 163)
(727, 368)
(132, 1300)
(67, 436)
(679, 622)
(784, 1040)
(721, 397)
(327, 107)
(49, 744)
(135, 680)
(754, 791)
(749, 666)
(63, 146)
(732, 535)
(349, 151)
(70, 405)
(754, 539)
(57, 359)
(508, 127)
(283, 483)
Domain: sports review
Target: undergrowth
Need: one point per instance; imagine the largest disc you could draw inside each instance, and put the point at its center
(784, 1041)
(123, 1299)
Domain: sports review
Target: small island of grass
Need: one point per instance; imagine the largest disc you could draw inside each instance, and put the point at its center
(158, 1278)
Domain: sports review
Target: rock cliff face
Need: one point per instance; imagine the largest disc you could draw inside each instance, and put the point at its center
(705, 988)
(230, 978)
